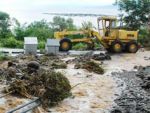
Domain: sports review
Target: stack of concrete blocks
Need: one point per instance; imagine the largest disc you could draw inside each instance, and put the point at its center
(52, 46)
(30, 45)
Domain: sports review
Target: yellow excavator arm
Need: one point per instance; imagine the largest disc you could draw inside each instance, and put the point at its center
(99, 37)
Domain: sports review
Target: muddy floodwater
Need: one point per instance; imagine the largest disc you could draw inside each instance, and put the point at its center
(96, 93)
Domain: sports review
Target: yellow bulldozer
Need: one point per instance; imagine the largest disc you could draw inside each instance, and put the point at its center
(112, 38)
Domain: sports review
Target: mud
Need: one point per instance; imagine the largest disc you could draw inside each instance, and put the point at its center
(135, 98)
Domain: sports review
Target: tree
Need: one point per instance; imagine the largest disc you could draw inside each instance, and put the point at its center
(4, 25)
(87, 25)
(40, 29)
(19, 30)
(61, 24)
(136, 12)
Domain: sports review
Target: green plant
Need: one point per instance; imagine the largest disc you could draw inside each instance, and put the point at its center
(136, 12)
(11, 42)
(41, 45)
(4, 57)
(80, 46)
(144, 37)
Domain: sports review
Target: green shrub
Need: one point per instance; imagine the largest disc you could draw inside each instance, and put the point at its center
(4, 57)
(11, 42)
(41, 45)
(80, 46)
(144, 37)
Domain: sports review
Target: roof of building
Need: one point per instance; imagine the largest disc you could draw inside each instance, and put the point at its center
(30, 40)
(52, 42)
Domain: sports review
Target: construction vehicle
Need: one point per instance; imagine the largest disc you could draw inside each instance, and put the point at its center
(112, 38)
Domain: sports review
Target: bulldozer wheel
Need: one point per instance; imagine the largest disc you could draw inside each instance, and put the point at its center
(132, 47)
(116, 47)
(65, 44)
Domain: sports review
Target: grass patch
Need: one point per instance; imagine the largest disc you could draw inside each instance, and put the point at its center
(4, 57)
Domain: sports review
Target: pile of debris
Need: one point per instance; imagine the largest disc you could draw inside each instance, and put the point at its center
(101, 56)
(135, 98)
(89, 56)
(34, 76)
(144, 74)
(49, 60)
(52, 87)
(90, 62)
(91, 66)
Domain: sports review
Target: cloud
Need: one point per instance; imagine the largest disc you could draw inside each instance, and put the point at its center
(29, 10)
(74, 2)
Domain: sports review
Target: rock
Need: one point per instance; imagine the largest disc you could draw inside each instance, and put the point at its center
(11, 64)
(101, 56)
(135, 97)
(33, 66)
(116, 111)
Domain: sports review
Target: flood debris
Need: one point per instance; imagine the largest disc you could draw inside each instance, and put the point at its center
(33, 66)
(48, 60)
(144, 74)
(146, 58)
(134, 98)
(116, 111)
(101, 56)
(59, 65)
(52, 87)
(35, 76)
(91, 66)
(90, 55)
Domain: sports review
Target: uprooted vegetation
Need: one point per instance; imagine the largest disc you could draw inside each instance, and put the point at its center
(34, 76)
(52, 87)
(91, 66)
(89, 63)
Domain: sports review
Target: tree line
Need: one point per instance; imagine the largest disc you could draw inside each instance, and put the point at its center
(12, 33)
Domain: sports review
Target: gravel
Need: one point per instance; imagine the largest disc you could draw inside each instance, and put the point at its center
(134, 98)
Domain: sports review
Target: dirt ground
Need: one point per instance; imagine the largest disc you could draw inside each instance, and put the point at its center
(95, 93)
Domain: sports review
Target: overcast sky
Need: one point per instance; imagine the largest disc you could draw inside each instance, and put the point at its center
(30, 10)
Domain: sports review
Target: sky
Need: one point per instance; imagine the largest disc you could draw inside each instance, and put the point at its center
(31, 10)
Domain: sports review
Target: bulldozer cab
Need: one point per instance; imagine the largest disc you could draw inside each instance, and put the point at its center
(106, 25)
